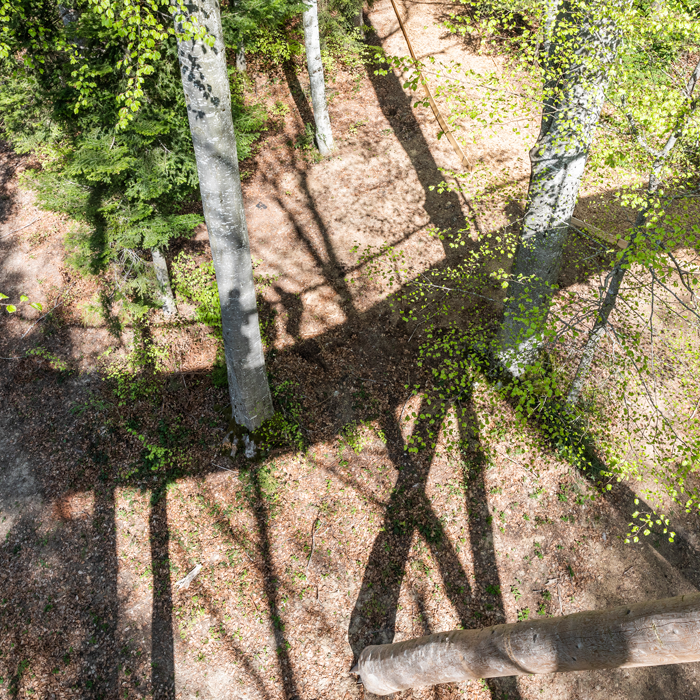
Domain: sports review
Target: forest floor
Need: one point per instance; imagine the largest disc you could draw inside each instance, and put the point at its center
(310, 555)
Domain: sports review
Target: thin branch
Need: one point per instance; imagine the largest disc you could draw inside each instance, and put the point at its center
(55, 306)
(313, 543)
(675, 296)
(21, 228)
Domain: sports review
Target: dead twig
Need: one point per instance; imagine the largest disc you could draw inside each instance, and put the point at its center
(53, 308)
(694, 411)
(185, 582)
(225, 468)
(517, 464)
(313, 543)
(17, 230)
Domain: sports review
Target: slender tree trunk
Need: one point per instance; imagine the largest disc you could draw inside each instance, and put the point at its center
(618, 273)
(324, 136)
(577, 57)
(166, 292)
(653, 633)
(208, 97)
(360, 19)
(240, 59)
(67, 15)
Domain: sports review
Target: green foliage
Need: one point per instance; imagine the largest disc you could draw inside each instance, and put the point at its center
(55, 362)
(135, 376)
(197, 284)
(358, 435)
(284, 428)
(633, 425)
(126, 182)
(12, 308)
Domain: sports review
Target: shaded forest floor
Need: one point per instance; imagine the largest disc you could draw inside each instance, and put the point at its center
(311, 555)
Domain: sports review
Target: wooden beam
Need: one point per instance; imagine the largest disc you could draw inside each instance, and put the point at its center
(598, 232)
(653, 633)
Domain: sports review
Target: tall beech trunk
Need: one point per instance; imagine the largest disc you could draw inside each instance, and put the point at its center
(615, 278)
(654, 633)
(166, 292)
(208, 97)
(312, 42)
(576, 60)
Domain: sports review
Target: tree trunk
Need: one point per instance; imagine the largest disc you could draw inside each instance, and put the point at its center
(67, 15)
(359, 19)
(576, 60)
(208, 97)
(166, 292)
(312, 42)
(618, 273)
(240, 59)
(653, 633)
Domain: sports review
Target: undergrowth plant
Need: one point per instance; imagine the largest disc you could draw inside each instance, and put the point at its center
(632, 423)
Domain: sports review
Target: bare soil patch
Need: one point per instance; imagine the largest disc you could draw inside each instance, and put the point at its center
(307, 556)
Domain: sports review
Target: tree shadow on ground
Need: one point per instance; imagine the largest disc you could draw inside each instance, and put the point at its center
(88, 548)
(7, 174)
(409, 511)
(444, 209)
(97, 640)
(297, 92)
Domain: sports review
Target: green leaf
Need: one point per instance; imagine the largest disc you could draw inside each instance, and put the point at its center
(36, 305)
(11, 308)
(24, 297)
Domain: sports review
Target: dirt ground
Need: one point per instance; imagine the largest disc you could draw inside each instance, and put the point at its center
(309, 557)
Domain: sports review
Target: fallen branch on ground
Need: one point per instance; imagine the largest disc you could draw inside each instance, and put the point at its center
(653, 633)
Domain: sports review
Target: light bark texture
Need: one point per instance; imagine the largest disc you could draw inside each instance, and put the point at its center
(241, 64)
(312, 43)
(652, 633)
(208, 97)
(577, 57)
(614, 279)
(161, 269)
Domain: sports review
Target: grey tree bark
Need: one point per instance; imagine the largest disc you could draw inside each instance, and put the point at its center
(161, 268)
(240, 59)
(577, 57)
(208, 97)
(359, 19)
(614, 279)
(652, 633)
(312, 42)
